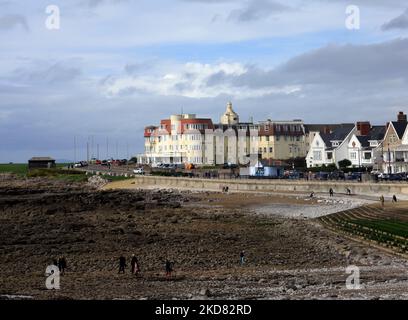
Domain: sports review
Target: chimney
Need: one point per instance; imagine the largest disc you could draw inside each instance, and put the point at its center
(402, 117)
(363, 128)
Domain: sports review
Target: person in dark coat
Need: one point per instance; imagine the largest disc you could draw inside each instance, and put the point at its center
(242, 257)
(169, 268)
(122, 264)
(62, 264)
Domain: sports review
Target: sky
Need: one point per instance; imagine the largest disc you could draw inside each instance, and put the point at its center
(115, 66)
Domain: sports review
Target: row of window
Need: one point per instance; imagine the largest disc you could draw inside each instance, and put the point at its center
(285, 127)
(317, 155)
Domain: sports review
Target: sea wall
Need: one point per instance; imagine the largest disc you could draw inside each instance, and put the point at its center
(363, 188)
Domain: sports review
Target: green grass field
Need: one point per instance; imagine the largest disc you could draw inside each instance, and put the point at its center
(17, 168)
(20, 168)
(59, 173)
(385, 227)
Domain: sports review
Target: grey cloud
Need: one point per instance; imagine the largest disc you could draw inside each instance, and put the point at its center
(375, 62)
(139, 67)
(10, 21)
(257, 9)
(338, 83)
(341, 66)
(372, 3)
(400, 22)
(55, 73)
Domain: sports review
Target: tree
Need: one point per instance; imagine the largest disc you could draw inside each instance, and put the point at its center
(343, 164)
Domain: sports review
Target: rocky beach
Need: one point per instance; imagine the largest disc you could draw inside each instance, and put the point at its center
(288, 254)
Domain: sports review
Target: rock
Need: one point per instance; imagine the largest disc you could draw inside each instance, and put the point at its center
(205, 292)
(97, 181)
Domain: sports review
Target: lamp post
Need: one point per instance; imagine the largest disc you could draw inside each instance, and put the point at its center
(359, 158)
(389, 159)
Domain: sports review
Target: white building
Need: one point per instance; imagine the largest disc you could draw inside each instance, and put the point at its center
(187, 139)
(330, 148)
(395, 146)
(364, 147)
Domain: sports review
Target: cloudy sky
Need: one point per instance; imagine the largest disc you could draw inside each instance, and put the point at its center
(115, 66)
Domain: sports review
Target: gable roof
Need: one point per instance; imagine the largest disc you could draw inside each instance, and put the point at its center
(364, 140)
(323, 128)
(399, 128)
(342, 132)
(327, 137)
(377, 132)
(41, 159)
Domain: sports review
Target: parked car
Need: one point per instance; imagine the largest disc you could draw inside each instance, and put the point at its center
(322, 175)
(337, 175)
(397, 177)
(229, 165)
(138, 171)
(383, 176)
(354, 176)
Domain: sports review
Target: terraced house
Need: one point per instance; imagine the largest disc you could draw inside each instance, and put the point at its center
(327, 148)
(364, 147)
(395, 146)
(186, 138)
(281, 140)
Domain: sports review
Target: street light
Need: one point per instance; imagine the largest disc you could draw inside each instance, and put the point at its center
(389, 159)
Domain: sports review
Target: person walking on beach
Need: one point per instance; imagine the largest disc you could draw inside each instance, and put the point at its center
(169, 268)
(135, 265)
(122, 264)
(242, 257)
(394, 198)
(348, 191)
(312, 194)
(331, 192)
(382, 200)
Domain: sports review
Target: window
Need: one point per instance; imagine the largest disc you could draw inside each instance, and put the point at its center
(353, 155)
(270, 149)
(329, 155)
(367, 155)
(317, 155)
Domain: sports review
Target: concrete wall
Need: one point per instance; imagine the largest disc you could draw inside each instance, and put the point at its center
(371, 189)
